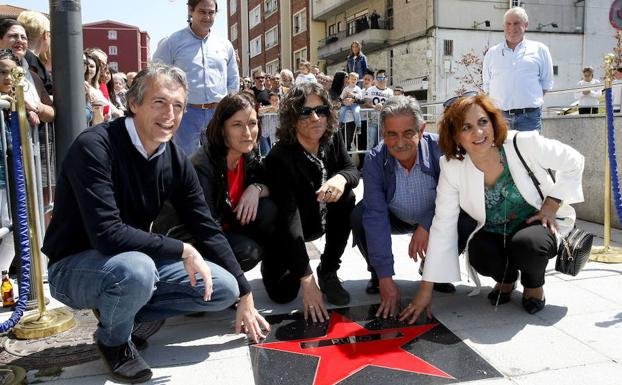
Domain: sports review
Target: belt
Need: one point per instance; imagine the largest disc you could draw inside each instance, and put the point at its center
(519, 111)
(204, 106)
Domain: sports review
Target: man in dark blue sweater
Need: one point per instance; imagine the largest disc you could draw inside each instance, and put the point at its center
(113, 183)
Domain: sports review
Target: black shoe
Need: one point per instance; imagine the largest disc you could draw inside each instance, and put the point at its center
(533, 305)
(141, 330)
(444, 287)
(373, 286)
(144, 330)
(331, 286)
(125, 363)
(498, 298)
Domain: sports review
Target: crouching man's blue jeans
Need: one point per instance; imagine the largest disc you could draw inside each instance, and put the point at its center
(131, 286)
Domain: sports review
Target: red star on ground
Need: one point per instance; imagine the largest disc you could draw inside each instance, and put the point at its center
(341, 360)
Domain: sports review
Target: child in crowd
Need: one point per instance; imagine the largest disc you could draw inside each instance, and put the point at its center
(269, 123)
(305, 74)
(353, 92)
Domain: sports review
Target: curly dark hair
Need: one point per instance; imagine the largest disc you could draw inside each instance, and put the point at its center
(452, 121)
(225, 109)
(289, 112)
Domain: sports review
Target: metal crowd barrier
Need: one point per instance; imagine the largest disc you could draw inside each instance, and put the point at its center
(43, 144)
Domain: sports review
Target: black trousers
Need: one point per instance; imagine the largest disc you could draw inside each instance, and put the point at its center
(466, 225)
(527, 250)
(588, 110)
(282, 285)
(252, 242)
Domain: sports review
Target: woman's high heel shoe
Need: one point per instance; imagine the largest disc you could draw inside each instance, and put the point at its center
(497, 297)
(533, 305)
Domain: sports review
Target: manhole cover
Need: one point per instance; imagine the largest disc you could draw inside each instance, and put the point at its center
(75, 346)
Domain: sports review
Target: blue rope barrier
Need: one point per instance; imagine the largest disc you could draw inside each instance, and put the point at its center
(613, 163)
(21, 224)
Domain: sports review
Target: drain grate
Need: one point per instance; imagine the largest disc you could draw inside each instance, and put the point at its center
(75, 346)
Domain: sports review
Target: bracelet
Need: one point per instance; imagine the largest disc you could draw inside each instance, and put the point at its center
(258, 187)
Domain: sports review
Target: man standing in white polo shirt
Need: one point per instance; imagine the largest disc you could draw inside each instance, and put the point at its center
(517, 73)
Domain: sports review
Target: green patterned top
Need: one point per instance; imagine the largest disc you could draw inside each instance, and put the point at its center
(506, 208)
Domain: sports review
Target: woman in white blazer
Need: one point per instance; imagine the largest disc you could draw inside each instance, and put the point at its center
(516, 230)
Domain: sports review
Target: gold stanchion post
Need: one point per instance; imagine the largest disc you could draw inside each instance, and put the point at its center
(607, 253)
(44, 323)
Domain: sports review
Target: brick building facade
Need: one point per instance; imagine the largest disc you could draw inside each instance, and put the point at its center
(272, 34)
(126, 45)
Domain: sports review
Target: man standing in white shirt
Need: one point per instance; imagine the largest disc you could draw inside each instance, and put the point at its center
(210, 66)
(517, 73)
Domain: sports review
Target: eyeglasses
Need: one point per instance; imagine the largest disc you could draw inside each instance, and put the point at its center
(451, 101)
(381, 78)
(322, 110)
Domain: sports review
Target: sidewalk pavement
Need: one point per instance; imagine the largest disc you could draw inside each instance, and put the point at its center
(576, 339)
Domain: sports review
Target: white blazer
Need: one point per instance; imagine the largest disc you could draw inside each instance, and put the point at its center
(461, 185)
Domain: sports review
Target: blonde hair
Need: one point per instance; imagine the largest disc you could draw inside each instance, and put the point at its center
(353, 74)
(35, 24)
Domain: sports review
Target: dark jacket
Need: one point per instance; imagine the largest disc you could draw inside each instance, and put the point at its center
(379, 189)
(109, 194)
(210, 163)
(35, 65)
(357, 64)
(293, 181)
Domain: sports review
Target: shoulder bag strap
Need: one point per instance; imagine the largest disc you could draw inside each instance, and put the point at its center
(529, 172)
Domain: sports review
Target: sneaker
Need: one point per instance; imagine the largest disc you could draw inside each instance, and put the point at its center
(126, 364)
(141, 331)
(331, 286)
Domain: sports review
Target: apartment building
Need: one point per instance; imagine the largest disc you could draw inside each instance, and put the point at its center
(273, 34)
(126, 45)
(420, 42)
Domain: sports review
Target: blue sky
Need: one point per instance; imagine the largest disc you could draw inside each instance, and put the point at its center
(158, 17)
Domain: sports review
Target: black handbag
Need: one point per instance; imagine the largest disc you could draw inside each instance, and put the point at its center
(574, 249)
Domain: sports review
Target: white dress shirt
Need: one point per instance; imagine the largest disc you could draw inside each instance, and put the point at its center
(516, 78)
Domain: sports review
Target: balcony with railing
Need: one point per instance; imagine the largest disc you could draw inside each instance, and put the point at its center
(337, 46)
(324, 9)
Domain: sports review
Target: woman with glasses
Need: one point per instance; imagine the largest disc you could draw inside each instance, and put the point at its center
(38, 102)
(517, 230)
(311, 178)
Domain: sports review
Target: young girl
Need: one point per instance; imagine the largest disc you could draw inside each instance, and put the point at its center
(305, 74)
(349, 96)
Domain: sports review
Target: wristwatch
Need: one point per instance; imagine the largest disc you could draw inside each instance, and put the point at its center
(258, 186)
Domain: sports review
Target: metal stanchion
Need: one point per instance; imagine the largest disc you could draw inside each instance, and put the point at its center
(607, 253)
(44, 323)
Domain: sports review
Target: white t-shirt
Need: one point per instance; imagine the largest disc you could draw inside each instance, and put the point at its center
(351, 91)
(591, 99)
(302, 78)
(377, 95)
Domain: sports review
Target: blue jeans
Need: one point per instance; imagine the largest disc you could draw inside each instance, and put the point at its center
(356, 113)
(192, 127)
(528, 121)
(131, 286)
(264, 145)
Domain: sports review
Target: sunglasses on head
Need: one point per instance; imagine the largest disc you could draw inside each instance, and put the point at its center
(322, 110)
(451, 101)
